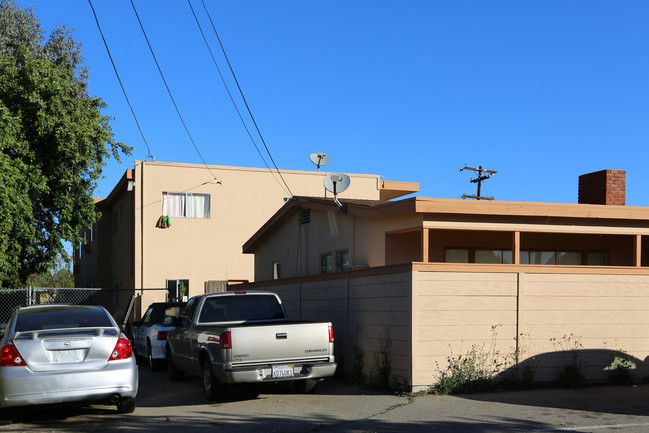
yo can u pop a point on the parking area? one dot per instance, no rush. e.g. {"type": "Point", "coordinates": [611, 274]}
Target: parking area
{"type": "Point", "coordinates": [338, 407]}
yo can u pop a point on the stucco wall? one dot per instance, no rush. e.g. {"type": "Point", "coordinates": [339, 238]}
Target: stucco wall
{"type": "Point", "coordinates": [241, 200]}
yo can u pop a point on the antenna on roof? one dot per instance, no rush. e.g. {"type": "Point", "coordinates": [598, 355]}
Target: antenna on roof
{"type": "Point", "coordinates": [483, 174]}
{"type": "Point", "coordinates": [337, 183]}
{"type": "Point", "coordinates": [319, 159]}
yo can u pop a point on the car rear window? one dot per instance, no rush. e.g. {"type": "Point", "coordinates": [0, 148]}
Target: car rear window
{"type": "Point", "coordinates": [241, 308]}
{"type": "Point", "coordinates": [59, 318]}
{"type": "Point", "coordinates": [161, 311]}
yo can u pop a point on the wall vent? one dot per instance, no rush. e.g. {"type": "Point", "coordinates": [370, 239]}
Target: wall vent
{"type": "Point", "coordinates": [305, 216]}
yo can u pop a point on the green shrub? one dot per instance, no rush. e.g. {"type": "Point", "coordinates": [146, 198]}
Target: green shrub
{"type": "Point", "coordinates": [619, 373]}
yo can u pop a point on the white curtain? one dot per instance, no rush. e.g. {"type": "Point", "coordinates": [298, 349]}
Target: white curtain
{"type": "Point", "coordinates": [187, 205]}
{"type": "Point", "coordinates": [198, 206]}
{"type": "Point", "coordinates": [173, 204]}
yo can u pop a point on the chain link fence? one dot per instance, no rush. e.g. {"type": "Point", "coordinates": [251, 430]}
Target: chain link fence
{"type": "Point", "coordinates": [118, 302]}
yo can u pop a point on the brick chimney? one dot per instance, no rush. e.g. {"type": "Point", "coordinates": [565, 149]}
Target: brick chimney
{"type": "Point", "coordinates": [603, 187]}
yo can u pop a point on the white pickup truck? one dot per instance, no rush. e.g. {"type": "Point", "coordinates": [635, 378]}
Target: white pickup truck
{"type": "Point", "coordinates": [246, 338]}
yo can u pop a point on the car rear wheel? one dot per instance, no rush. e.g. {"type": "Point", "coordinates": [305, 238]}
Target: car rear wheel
{"type": "Point", "coordinates": [154, 364]}
{"type": "Point", "coordinates": [173, 372]}
{"type": "Point", "coordinates": [212, 388]}
{"type": "Point", "coordinates": [126, 405]}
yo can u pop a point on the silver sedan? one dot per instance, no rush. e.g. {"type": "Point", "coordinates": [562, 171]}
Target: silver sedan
{"type": "Point", "coordinates": [65, 354]}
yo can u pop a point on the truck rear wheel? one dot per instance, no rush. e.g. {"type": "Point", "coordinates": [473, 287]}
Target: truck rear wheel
{"type": "Point", "coordinates": [173, 372]}
{"type": "Point", "coordinates": [212, 388]}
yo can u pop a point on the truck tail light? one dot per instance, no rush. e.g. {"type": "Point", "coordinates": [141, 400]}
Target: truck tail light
{"type": "Point", "coordinates": [331, 334]}
{"type": "Point", "coordinates": [162, 335]}
{"type": "Point", "coordinates": [9, 357]}
{"type": "Point", "coordinates": [122, 350]}
{"type": "Point", "coordinates": [226, 340]}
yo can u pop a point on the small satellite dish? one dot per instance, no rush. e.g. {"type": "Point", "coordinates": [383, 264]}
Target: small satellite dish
{"type": "Point", "coordinates": [320, 159]}
{"type": "Point", "coordinates": [337, 183]}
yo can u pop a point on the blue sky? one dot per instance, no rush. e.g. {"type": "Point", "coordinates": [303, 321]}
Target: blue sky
{"type": "Point", "coordinates": [541, 91]}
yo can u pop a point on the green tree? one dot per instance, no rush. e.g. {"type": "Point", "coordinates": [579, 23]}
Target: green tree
{"type": "Point", "coordinates": [54, 142]}
{"type": "Point", "coordinates": [60, 277]}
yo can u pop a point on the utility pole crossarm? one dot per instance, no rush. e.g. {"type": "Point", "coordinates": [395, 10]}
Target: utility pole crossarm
{"type": "Point", "coordinates": [483, 174]}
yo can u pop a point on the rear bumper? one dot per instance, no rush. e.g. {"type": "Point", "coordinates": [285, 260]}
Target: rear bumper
{"type": "Point", "coordinates": [263, 373]}
{"type": "Point", "coordinates": [20, 386]}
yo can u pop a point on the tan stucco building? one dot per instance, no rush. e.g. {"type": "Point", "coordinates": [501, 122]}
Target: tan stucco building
{"type": "Point", "coordinates": [409, 283]}
{"type": "Point", "coordinates": [169, 224]}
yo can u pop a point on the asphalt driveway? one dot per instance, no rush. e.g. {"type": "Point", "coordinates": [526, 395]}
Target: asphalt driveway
{"type": "Point", "coordinates": [337, 407]}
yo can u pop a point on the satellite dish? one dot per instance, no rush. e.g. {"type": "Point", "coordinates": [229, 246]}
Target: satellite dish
{"type": "Point", "coordinates": [337, 183]}
{"type": "Point", "coordinates": [320, 159]}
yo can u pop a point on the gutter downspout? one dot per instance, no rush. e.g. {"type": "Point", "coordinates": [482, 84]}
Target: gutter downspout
{"type": "Point", "coordinates": [141, 227]}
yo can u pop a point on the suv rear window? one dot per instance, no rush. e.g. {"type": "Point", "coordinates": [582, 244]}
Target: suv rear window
{"type": "Point", "coordinates": [62, 317]}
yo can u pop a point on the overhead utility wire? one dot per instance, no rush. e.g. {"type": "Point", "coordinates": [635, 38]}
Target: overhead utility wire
{"type": "Point", "coordinates": [227, 89]}
{"type": "Point", "coordinates": [120, 82]}
{"type": "Point", "coordinates": [169, 91]}
{"type": "Point", "coordinates": [243, 97]}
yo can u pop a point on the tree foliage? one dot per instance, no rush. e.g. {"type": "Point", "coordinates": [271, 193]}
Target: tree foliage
{"type": "Point", "coordinates": [54, 142]}
{"type": "Point", "coordinates": [59, 277]}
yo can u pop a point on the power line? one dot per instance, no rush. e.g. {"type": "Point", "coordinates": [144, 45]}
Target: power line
{"type": "Point", "coordinates": [120, 81]}
{"type": "Point", "coordinates": [169, 91]}
{"type": "Point", "coordinates": [227, 89]}
{"type": "Point", "coordinates": [243, 97]}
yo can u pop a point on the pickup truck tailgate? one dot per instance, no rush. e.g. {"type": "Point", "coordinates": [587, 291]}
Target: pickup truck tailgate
{"type": "Point", "coordinates": [272, 343]}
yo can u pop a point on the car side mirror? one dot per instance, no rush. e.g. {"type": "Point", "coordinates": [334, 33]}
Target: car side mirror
{"type": "Point", "coordinates": [170, 321]}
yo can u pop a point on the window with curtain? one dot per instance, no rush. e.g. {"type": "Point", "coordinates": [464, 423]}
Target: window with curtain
{"type": "Point", "coordinates": [185, 205]}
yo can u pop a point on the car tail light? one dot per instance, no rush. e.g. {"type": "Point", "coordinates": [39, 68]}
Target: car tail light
{"type": "Point", "coordinates": [226, 340]}
{"type": "Point", "coordinates": [9, 357]}
{"type": "Point", "coordinates": [122, 350]}
{"type": "Point", "coordinates": [162, 335]}
{"type": "Point", "coordinates": [331, 334]}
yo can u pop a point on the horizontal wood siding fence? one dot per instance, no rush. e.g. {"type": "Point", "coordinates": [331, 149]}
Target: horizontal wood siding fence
{"type": "Point", "coordinates": [402, 326]}
{"type": "Point", "coordinates": [372, 320]}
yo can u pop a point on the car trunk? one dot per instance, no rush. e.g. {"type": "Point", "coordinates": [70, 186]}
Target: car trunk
{"type": "Point", "coordinates": [60, 350]}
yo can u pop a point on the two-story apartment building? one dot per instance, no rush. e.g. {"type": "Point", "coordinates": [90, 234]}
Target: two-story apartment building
{"type": "Point", "coordinates": [408, 283]}
{"type": "Point", "coordinates": [181, 226]}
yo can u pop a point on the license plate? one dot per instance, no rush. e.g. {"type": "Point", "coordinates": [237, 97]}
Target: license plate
{"type": "Point", "coordinates": [283, 370]}
{"type": "Point", "coordinates": [66, 356]}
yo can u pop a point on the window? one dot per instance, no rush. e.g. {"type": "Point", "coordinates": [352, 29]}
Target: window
{"type": "Point", "coordinates": [471, 255]}
{"type": "Point", "coordinates": [493, 256]}
{"type": "Point", "coordinates": [325, 263]}
{"type": "Point", "coordinates": [177, 289]}
{"type": "Point", "coordinates": [342, 260]}
{"type": "Point", "coordinates": [456, 256]}
{"type": "Point", "coordinates": [277, 270]}
{"type": "Point", "coordinates": [185, 205]}
{"type": "Point", "coordinates": [568, 258]}
{"type": "Point", "coordinates": [597, 258]}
